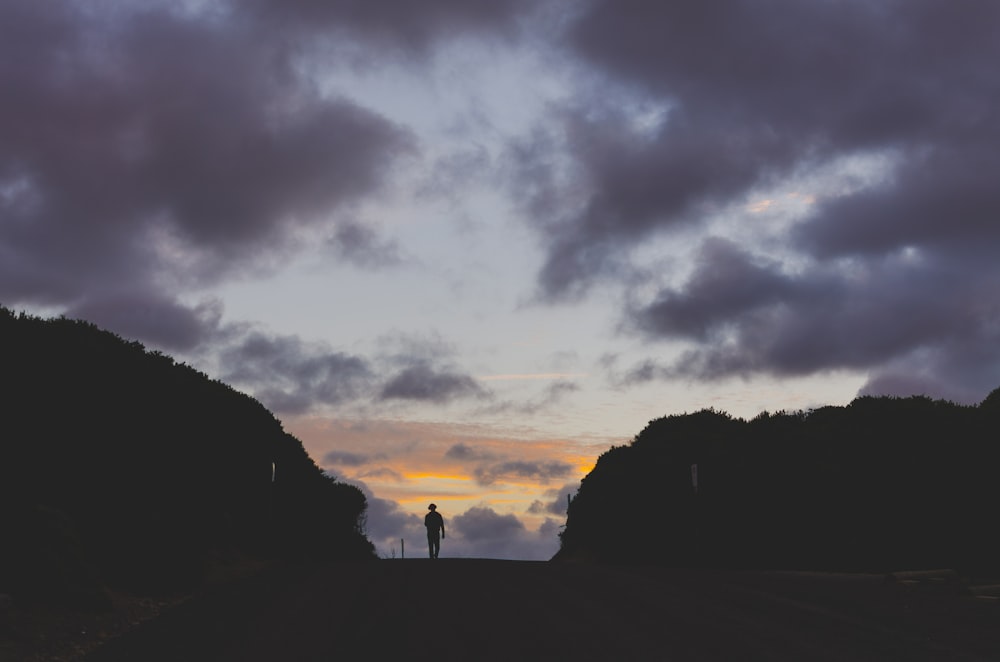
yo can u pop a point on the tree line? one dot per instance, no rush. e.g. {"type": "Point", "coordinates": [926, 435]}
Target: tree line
{"type": "Point", "coordinates": [126, 469]}
{"type": "Point", "coordinates": [881, 484]}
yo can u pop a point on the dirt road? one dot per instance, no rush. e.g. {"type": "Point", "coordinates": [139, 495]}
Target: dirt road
{"type": "Point", "coordinates": [454, 609]}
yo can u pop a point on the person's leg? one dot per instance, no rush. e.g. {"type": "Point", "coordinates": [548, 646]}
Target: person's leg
{"type": "Point", "coordinates": [430, 545]}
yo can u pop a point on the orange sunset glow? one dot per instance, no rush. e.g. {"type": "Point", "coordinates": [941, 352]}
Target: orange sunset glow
{"type": "Point", "coordinates": [459, 467]}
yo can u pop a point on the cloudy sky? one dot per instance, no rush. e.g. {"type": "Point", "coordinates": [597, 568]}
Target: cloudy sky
{"type": "Point", "coordinates": [461, 247]}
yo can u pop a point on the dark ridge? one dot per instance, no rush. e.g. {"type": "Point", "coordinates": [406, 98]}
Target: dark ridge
{"type": "Point", "coordinates": [881, 484]}
{"type": "Point", "coordinates": [126, 469]}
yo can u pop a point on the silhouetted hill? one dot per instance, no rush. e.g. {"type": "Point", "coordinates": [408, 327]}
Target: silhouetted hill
{"type": "Point", "coordinates": [883, 483]}
{"type": "Point", "coordinates": [123, 467]}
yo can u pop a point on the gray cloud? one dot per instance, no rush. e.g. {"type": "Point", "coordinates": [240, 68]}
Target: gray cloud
{"type": "Point", "coordinates": [482, 523]}
{"type": "Point", "coordinates": [491, 469]}
{"type": "Point", "coordinates": [362, 246]}
{"type": "Point", "coordinates": [556, 391]}
{"type": "Point", "coordinates": [345, 459]}
{"type": "Point", "coordinates": [387, 524]}
{"type": "Point", "coordinates": [292, 376]}
{"type": "Point", "coordinates": [537, 507]}
{"type": "Point", "coordinates": [423, 382]}
{"type": "Point", "coordinates": [557, 503]}
{"type": "Point", "coordinates": [462, 451]}
{"type": "Point", "coordinates": [482, 532]}
{"type": "Point", "coordinates": [519, 469]}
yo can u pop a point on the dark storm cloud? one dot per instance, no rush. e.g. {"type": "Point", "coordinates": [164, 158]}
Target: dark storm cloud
{"type": "Point", "coordinates": [905, 314]}
{"type": "Point", "coordinates": [630, 186]}
{"type": "Point", "coordinates": [125, 132]}
{"type": "Point", "coordinates": [153, 317]}
{"type": "Point", "coordinates": [412, 26]}
{"type": "Point", "coordinates": [853, 73]}
{"type": "Point", "coordinates": [726, 284]}
{"type": "Point", "coordinates": [426, 383]}
{"type": "Point", "coordinates": [521, 470]}
{"type": "Point", "coordinates": [751, 91]}
{"type": "Point", "coordinates": [945, 200]}
{"type": "Point", "coordinates": [719, 100]}
{"type": "Point", "coordinates": [291, 376]}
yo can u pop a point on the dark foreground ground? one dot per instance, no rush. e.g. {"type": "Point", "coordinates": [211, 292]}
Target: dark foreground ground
{"type": "Point", "coordinates": [455, 609]}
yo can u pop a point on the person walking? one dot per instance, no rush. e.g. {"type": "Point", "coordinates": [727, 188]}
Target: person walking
{"type": "Point", "coordinates": [435, 530]}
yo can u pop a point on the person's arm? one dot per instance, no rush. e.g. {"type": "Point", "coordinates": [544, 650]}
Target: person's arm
{"type": "Point", "coordinates": [442, 527]}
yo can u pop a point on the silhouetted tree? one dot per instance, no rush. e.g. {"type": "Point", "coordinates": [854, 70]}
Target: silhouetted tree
{"type": "Point", "coordinates": [883, 483]}
{"type": "Point", "coordinates": [149, 463]}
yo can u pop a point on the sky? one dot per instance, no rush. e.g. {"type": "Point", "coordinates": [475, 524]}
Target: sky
{"type": "Point", "coordinates": [462, 247]}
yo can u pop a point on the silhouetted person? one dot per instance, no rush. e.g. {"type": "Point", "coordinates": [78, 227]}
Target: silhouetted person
{"type": "Point", "coordinates": [435, 530]}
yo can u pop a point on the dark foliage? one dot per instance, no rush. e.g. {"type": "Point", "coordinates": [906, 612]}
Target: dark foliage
{"type": "Point", "coordinates": [125, 468]}
{"type": "Point", "coordinates": [881, 484]}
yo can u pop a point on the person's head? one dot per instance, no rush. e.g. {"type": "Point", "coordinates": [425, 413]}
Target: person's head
{"type": "Point", "coordinates": [432, 507]}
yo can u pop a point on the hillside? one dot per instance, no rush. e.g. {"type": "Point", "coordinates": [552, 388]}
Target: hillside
{"type": "Point", "coordinates": [881, 484]}
{"type": "Point", "coordinates": [485, 610]}
{"type": "Point", "coordinates": [125, 469]}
